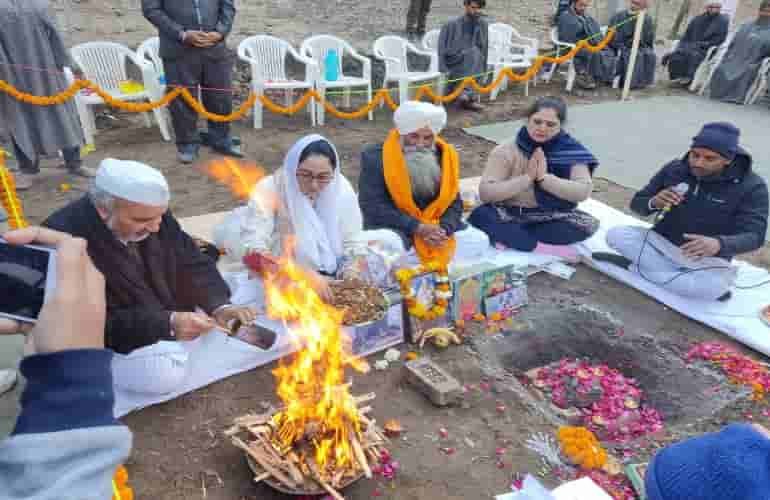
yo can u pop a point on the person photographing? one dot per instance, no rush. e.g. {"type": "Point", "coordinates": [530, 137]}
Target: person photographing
{"type": "Point", "coordinates": [723, 213]}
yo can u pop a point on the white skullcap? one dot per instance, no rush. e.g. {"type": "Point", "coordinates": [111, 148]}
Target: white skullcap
{"type": "Point", "coordinates": [414, 115]}
{"type": "Point", "coordinates": [132, 181]}
{"type": "Point", "coordinates": [714, 2]}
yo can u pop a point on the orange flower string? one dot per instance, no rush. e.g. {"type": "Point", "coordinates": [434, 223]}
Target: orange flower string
{"type": "Point", "coordinates": [9, 197]}
{"type": "Point", "coordinates": [120, 488]}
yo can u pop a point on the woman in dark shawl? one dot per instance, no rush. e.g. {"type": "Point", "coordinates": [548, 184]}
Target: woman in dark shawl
{"type": "Point", "coordinates": [532, 185]}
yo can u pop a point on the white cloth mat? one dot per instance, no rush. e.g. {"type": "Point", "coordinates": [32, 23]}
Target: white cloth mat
{"type": "Point", "coordinates": [737, 317]}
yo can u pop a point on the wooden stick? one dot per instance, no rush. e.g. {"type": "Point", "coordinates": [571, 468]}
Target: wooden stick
{"type": "Point", "coordinates": [365, 398]}
{"type": "Point", "coordinates": [261, 477]}
{"type": "Point", "coordinates": [634, 52]}
{"type": "Point", "coordinates": [323, 484]}
{"type": "Point", "coordinates": [264, 463]}
{"type": "Point", "coordinates": [360, 456]}
{"type": "Point", "coordinates": [364, 410]}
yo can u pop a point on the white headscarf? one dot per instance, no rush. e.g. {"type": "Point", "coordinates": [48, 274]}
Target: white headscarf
{"type": "Point", "coordinates": [414, 115]}
{"type": "Point", "coordinates": [316, 225]}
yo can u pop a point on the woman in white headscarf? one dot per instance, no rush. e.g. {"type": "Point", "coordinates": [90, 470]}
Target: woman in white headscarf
{"type": "Point", "coordinates": [308, 201]}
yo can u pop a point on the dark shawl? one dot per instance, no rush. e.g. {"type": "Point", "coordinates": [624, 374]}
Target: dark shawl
{"type": "Point", "coordinates": [173, 276]}
{"type": "Point", "coordinates": [562, 153]}
{"type": "Point", "coordinates": [703, 32]}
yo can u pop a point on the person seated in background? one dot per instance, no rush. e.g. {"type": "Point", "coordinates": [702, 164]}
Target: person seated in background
{"type": "Point", "coordinates": [574, 24]}
{"type": "Point", "coordinates": [713, 206]}
{"type": "Point", "coordinates": [66, 429]}
{"type": "Point", "coordinates": [732, 464]}
{"type": "Point", "coordinates": [463, 48]}
{"type": "Point", "coordinates": [411, 185]}
{"type": "Point", "coordinates": [704, 32]}
{"type": "Point", "coordinates": [307, 203]}
{"type": "Point", "coordinates": [532, 185]}
{"type": "Point", "coordinates": [734, 76]}
{"type": "Point", "coordinates": [160, 288]}
{"type": "Point", "coordinates": [643, 74]}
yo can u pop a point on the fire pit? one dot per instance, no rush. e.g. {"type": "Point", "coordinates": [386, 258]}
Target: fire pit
{"type": "Point", "coordinates": [321, 440]}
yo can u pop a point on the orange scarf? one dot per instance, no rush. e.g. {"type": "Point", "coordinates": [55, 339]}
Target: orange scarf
{"type": "Point", "coordinates": [400, 189]}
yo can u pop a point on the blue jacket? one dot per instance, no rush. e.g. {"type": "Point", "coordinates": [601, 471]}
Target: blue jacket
{"type": "Point", "coordinates": [731, 206]}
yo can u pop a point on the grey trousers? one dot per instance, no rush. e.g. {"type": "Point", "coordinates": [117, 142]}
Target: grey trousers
{"type": "Point", "coordinates": [417, 15]}
{"type": "Point", "coordinates": [213, 71]}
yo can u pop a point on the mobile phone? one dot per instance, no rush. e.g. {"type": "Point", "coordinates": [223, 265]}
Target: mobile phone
{"type": "Point", "coordinates": [27, 277]}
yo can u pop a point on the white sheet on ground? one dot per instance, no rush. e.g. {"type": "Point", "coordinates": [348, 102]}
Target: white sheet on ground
{"type": "Point", "coordinates": [737, 317]}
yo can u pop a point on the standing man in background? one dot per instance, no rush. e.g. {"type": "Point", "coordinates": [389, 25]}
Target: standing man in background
{"type": "Point", "coordinates": [194, 53]}
{"type": "Point", "coordinates": [416, 17]}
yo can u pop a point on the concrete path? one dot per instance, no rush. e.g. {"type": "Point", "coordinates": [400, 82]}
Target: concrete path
{"type": "Point", "coordinates": [634, 139]}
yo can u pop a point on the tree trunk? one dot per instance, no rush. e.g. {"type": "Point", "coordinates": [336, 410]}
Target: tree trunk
{"type": "Point", "coordinates": [684, 9]}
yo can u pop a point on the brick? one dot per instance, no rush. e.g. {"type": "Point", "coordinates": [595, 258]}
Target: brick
{"type": "Point", "coordinates": [427, 377]}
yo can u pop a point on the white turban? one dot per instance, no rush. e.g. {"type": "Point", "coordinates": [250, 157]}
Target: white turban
{"type": "Point", "coordinates": [132, 181]}
{"type": "Point", "coordinates": [710, 3]}
{"type": "Point", "coordinates": [414, 115]}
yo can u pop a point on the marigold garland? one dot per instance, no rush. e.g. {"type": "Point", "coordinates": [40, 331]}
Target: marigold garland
{"type": "Point", "coordinates": [120, 488]}
{"type": "Point", "coordinates": [9, 197]}
{"type": "Point", "coordinates": [581, 447]}
{"type": "Point", "coordinates": [382, 95]}
{"type": "Point", "coordinates": [443, 290]}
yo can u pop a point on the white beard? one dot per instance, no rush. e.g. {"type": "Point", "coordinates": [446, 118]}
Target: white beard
{"type": "Point", "coordinates": [424, 173]}
{"type": "Point", "coordinates": [131, 239]}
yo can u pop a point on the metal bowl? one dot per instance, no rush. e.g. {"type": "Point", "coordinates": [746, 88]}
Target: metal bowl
{"type": "Point", "coordinates": [279, 486]}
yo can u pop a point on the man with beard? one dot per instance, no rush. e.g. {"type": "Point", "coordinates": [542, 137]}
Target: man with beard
{"type": "Point", "coordinates": [574, 24]}
{"type": "Point", "coordinates": [736, 73]}
{"type": "Point", "coordinates": [709, 206]}
{"type": "Point", "coordinates": [160, 287]}
{"type": "Point", "coordinates": [643, 73]}
{"type": "Point", "coordinates": [705, 31]}
{"type": "Point", "coordinates": [410, 185]}
{"type": "Point", "coordinates": [463, 47]}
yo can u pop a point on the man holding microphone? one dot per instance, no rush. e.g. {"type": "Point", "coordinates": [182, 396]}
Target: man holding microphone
{"type": "Point", "coordinates": [710, 206]}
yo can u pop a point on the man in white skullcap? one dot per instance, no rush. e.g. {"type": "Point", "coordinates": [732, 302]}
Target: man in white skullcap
{"type": "Point", "coordinates": [156, 276]}
{"type": "Point", "coordinates": [410, 184]}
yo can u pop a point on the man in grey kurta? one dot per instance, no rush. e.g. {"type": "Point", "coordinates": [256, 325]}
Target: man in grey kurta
{"type": "Point", "coordinates": [463, 46]}
{"type": "Point", "coordinates": [192, 46]}
{"type": "Point", "coordinates": [704, 32]}
{"type": "Point", "coordinates": [738, 70]}
{"type": "Point", "coordinates": [574, 24]}
{"type": "Point", "coordinates": [32, 57]}
{"type": "Point", "coordinates": [625, 22]}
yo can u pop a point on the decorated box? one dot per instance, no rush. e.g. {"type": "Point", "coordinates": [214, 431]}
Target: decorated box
{"type": "Point", "coordinates": [467, 298]}
{"type": "Point", "coordinates": [504, 291]}
{"type": "Point", "coordinates": [424, 286]}
{"type": "Point", "coordinates": [374, 336]}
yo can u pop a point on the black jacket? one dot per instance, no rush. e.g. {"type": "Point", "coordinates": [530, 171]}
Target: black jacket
{"type": "Point", "coordinates": [731, 206]}
{"type": "Point", "coordinates": [173, 17]}
{"type": "Point", "coordinates": [173, 276]}
{"type": "Point", "coordinates": [378, 208]}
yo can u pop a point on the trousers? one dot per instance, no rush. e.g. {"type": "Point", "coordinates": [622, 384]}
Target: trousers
{"type": "Point", "coordinates": [525, 237]}
{"type": "Point", "coordinates": [417, 15]}
{"type": "Point", "coordinates": [661, 262]}
{"type": "Point", "coordinates": [213, 73]}
{"type": "Point", "coordinates": [155, 370]}
{"type": "Point", "coordinates": [32, 165]}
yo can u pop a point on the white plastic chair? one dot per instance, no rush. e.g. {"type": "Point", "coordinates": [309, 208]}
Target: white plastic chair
{"type": "Point", "coordinates": [759, 87]}
{"type": "Point", "coordinates": [502, 55]}
{"type": "Point", "coordinates": [316, 48]}
{"type": "Point", "coordinates": [430, 44]}
{"type": "Point", "coordinates": [561, 47]}
{"type": "Point", "coordinates": [706, 68]}
{"type": "Point", "coordinates": [267, 57]}
{"type": "Point", "coordinates": [393, 51]}
{"type": "Point", "coordinates": [149, 51]}
{"type": "Point", "coordinates": [529, 46]}
{"type": "Point", "coordinates": [104, 63]}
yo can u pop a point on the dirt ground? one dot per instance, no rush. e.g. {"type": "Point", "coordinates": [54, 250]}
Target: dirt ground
{"type": "Point", "coordinates": [179, 450]}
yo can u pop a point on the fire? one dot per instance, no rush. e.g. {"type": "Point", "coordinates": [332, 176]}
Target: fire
{"type": "Point", "coordinates": [318, 404]}
{"type": "Point", "coordinates": [240, 177]}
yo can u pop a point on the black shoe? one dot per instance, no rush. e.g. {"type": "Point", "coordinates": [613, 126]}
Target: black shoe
{"type": "Point", "coordinates": [727, 296]}
{"type": "Point", "coordinates": [187, 153]}
{"type": "Point", "coordinates": [612, 258]}
{"type": "Point", "coordinates": [228, 150]}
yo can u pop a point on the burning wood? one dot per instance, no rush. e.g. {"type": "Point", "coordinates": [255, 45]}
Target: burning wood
{"type": "Point", "coordinates": [320, 440]}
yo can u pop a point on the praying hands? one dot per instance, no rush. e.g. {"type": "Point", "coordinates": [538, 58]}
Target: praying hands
{"type": "Point", "coordinates": [537, 166]}
{"type": "Point", "coordinates": [202, 39]}
{"type": "Point", "coordinates": [433, 235]}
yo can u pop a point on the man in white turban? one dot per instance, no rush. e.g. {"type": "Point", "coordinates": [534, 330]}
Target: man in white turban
{"type": "Point", "coordinates": [160, 287]}
{"type": "Point", "coordinates": [410, 184]}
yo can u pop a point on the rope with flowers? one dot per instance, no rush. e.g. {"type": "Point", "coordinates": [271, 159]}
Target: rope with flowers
{"type": "Point", "coordinates": [8, 196]}
{"type": "Point", "coordinates": [120, 488]}
{"type": "Point", "coordinates": [442, 294]}
{"type": "Point", "coordinates": [382, 95]}
{"type": "Point", "coordinates": [581, 447]}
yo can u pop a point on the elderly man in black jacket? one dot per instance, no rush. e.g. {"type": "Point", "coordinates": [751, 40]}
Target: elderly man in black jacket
{"type": "Point", "coordinates": [192, 46]}
{"type": "Point", "coordinates": [160, 288]}
{"type": "Point", "coordinates": [710, 206]}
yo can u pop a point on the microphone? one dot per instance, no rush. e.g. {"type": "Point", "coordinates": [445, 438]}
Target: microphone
{"type": "Point", "coordinates": [681, 189]}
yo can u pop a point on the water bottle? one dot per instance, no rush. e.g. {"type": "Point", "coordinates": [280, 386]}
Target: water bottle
{"type": "Point", "coordinates": [331, 66]}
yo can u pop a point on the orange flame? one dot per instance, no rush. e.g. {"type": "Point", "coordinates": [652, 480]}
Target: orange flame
{"type": "Point", "coordinates": [240, 177]}
{"type": "Point", "coordinates": [318, 404]}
